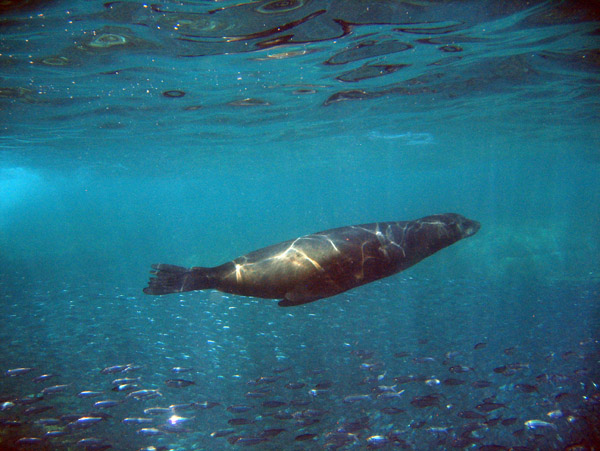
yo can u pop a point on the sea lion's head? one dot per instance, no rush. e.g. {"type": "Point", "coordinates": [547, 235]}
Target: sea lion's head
{"type": "Point", "coordinates": [435, 232]}
{"type": "Point", "coordinates": [466, 227]}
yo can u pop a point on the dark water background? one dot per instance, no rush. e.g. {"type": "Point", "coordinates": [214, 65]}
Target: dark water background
{"type": "Point", "coordinates": [193, 132]}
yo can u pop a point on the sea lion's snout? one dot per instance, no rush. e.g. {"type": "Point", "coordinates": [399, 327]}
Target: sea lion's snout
{"type": "Point", "coordinates": [470, 227]}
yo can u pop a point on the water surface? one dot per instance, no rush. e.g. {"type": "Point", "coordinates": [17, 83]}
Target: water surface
{"type": "Point", "coordinates": [194, 132]}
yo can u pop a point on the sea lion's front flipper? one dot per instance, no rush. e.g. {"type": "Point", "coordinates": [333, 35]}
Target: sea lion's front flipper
{"type": "Point", "coordinates": [288, 303]}
{"type": "Point", "coordinates": [319, 287]}
{"type": "Point", "coordinates": [175, 279]}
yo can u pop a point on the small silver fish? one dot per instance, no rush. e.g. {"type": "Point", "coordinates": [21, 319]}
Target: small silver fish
{"type": "Point", "coordinates": [84, 422]}
{"type": "Point", "coordinates": [238, 408]}
{"type": "Point", "coordinates": [534, 424]}
{"type": "Point", "coordinates": [376, 441]}
{"type": "Point", "coordinates": [131, 367]}
{"type": "Point", "coordinates": [48, 421]}
{"type": "Point", "coordinates": [184, 406]}
{"type": "Point", "coordinates": [107, 403]}
{"type": "Point", "coordinates": [139, 420]}
{"type": "Point", "coordinates": [204, 404]}
{"type": "Point", "coordinates": [89, 394]}
{"type": "Point", "coordinates": [240, 421]}
{"type": "Point", "coordinates": [35, 410]}
{"type": "Point", "coordinates": [386, 388]}
{"type": "Point", "coordinates": [390, 394]}
{"type": "Point", "coordinates": [423, 359]}
{"type": "Point", "coordinates": [178, 383]}
{"type": "Point", "coordinates": [156, 410]}
{"type": "Point", "coordinates": [42, 378]}
{"type": "Point", "coordinates": [54, 389]}
{"type": "Point", "coordinates": [555, 414]}
{"type": "Point", "coordinates": [125, 387]}
{"type": "Point", "coordinates": [115, 369]}
{"type": "Point", "coordinates": [7, 405]}
{"type": "Point", "coordinates": [29, 441]}
{"type": "Point", "coordinates": [356, 398]}
{"type": "Point", "coordinates": [316, 392]}
{"type": "Point", "coordinates": [460, 369]}
{"type": "Point", "coordinates": [57, 433]}
{"type": "Point", "coordinates": [147, 432]}
{"type": "Point", "coordinates": [126, 380]}
{"type": "Point", "coordinates": [144, 394]}
{"type": "Point", "coordinates": [18, 371]}
{"type": "Point", "coordinates": [489, 406]}
{"type": "Point", "coordinates": [173, 428]}
{"type": "Point", "coordinates": [222, 432]}
{"type": "Point", "coordinates": [438, 429]}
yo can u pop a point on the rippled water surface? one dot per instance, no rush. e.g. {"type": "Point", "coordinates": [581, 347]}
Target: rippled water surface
{"type": "Point", "coordinates": [191, 133]}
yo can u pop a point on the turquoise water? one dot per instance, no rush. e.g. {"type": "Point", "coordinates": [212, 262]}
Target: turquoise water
{"type": "Point", "coordinates": [192, 133]}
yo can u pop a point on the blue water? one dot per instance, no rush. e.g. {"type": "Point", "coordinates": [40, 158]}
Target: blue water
{"type": "Point", "coordinates": [192, 133]}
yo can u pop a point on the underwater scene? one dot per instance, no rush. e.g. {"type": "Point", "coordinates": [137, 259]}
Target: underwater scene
{"type": "Point", "coordinates": [299, 225]}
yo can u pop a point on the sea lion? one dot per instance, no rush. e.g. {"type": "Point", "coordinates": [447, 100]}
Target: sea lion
{"type": "Point", "coordinates": [323, 264]}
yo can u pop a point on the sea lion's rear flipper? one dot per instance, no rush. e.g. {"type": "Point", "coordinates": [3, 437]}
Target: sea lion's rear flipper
{"type": "Point", "coordinates": [175, 279]}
